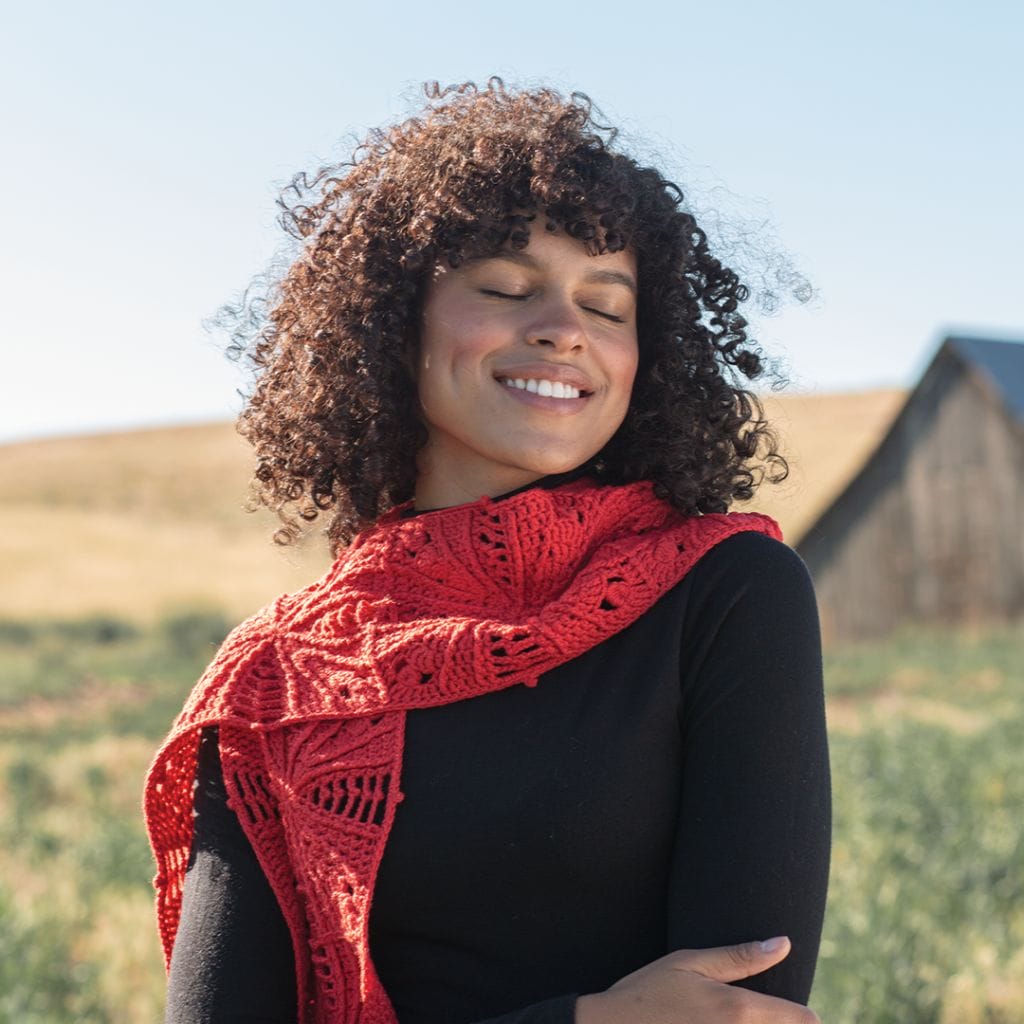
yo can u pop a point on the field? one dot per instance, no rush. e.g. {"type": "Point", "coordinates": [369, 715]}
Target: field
{"type": "Point", "coordinates": [925, 921]}
{"type": "Point", "coordinates": [138, 523]}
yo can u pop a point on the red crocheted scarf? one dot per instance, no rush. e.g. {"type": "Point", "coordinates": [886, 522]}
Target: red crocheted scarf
{"type": "Point", "coordinates": [310, 694]}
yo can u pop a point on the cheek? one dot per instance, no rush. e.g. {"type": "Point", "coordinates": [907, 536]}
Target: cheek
{"type": "Point", "coordinates": [452, 336]}
{"type": "Point", "coordinates": [453, 345]}
{"type": "Point", "coordinates": [625, 375]}
{"type": "Point", "coordinates": [628, 364]}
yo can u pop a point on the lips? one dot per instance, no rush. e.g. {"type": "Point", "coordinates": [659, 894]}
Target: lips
{"type": "Point", "coordinates": [548, 371]}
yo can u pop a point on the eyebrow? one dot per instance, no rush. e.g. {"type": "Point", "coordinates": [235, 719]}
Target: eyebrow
{"type": "Point", "coordinates": [526, 260]}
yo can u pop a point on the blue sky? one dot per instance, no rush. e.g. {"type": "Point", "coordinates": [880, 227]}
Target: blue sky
{"type": "Point", "coordinates": [878, 144]}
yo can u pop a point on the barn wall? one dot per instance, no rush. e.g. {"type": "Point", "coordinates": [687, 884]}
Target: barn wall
{"type": "Point", "coordinates": [965, 494]}
{"type": "Point", "coordinates": [933, 529]}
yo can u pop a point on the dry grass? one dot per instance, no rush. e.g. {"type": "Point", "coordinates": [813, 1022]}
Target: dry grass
{"type": "Point", "coordinates": [826, 438]}
{"type": "Point", "coordinates": [133, 523]}
{"type": "Point", "coordinates": [855, 715]}
{"type": "Point", "coordinates": [64, 561]}
{"type": "Point", "coordinates": [196, 472]}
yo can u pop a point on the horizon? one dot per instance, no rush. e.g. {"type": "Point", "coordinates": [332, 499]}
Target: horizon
{"type": "Point", "coordinates": [166, 425]}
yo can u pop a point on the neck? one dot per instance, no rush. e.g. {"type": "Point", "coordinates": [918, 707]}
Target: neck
{"type": "Point", "coordinates": [435, 493]}
{"type": "Point", "coordinates": [422, 504]}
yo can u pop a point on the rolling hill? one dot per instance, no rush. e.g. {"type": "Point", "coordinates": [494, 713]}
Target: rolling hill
{"type": "Point", "coordinates": [137, 523]}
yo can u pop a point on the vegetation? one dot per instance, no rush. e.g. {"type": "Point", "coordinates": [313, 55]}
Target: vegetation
{"type": "Point", "coordinates": [83, 706]}
{"type": "Point", "coordinates": [926, 907]}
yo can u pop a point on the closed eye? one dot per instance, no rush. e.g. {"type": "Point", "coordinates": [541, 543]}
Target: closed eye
{"type": "Point", "coordinates": [508, 295]}
{"type": "Point", "coordinates": [607, 316]}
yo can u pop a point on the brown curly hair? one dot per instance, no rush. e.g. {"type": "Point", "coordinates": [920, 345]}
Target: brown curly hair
{"type": "Point", "coordinates": [333, 414]}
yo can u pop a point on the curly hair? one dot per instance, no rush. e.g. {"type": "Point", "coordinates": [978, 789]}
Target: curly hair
{"type": "Point", "coordinates": [333, 414]}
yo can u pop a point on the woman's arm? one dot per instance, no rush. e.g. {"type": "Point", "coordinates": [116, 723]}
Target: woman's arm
{"type": "Point", "coordinates": [753, 838]}
{"type": "Point", "coordinates": [232, 958]}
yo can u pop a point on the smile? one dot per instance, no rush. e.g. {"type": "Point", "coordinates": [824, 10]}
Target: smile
{"type": "Point", "coordinates": [572, 400]}
{"type": "Point", "coordinates": [546, 388]}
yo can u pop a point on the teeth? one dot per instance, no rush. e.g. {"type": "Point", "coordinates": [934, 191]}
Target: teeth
{"type": "Point", "coordinates": [545, 388]}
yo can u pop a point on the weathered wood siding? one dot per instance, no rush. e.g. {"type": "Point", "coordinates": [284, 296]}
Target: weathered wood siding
{"type": "Point", "coordinates": [932, 529]}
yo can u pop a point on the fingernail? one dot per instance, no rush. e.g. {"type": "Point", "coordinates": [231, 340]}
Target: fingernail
{"type": "Point", "coordinates": [773, 945]}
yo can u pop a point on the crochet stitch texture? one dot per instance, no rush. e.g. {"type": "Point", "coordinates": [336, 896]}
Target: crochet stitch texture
{"type": "Point", "coordinates": [310, 693]}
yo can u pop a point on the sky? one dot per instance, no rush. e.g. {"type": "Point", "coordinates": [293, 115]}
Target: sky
{"type": "Point", "coordinates": [877, 146]}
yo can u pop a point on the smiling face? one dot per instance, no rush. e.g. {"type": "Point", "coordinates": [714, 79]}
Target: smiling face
{"type": "Point", "coordinates": [548, 313]}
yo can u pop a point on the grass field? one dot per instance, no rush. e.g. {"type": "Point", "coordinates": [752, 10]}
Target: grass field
{"type": "Point", "coordinates": [925, 920]}
{"type": "Point", "coordinates": [137, 523]}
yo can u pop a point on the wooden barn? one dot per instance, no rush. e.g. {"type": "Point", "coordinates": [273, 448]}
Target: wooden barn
{"type": "Point", "coordinates": [931, 529]}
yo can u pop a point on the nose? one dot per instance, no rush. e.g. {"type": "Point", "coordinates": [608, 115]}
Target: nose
{"type": "Point", "coordinates": [557, 325]}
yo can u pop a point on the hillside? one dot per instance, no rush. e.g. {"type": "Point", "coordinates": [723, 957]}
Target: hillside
{"type": "Point", "coordinates": [138, 522]}
{"type": "Point", "coordinates": [826, 439]}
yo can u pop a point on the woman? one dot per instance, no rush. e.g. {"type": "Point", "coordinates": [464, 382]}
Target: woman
{"type": "Point", "coordinates": [547, 742]}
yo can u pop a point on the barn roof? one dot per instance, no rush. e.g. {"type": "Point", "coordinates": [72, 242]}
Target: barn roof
{"type": "Point", "coordinates": [1001, 361]}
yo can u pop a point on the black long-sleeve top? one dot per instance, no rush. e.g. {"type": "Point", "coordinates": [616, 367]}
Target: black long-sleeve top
{"type": "Point", "coordinates": [668, 789]}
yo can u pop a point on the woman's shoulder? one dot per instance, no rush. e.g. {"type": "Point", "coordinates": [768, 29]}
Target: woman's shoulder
{"type": "Point", "coordinates": [752, 559]}
{"type": "Point", "coordinates": [748, 578]}
{"type": "Point", "coordinates": [749, 622]}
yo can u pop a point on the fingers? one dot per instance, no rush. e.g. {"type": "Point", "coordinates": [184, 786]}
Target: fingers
{"type": "Point", "coordinates": [692, 985]}
{"type": "Point", "coordinates": [732, 963]}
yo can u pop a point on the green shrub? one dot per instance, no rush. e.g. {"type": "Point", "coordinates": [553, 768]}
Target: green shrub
{"type": "Point", "coordinates": [191, 633]}
{"type": "Point", "coordinates": [41, 982]}
{"type": "Point", "coordinates": [96, 629]}
{"type": "Point", "coordinates": [29, 789]}
{"type": "Point", "coordinates": [115, 853]}
{"type": "Point", "coordinates": [16, 633]}
{"type": "Point", "coordinates": [927, 887]}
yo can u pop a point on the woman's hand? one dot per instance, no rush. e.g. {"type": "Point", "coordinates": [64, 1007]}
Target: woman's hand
{"type": "Point", "coordinates": [689, 987]}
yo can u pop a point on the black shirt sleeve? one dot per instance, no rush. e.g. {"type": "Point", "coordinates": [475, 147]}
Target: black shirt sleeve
{"type": "Point", "coordinates": [751, 859]}
{"type": "Point", "coordinates": [232, 960]}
